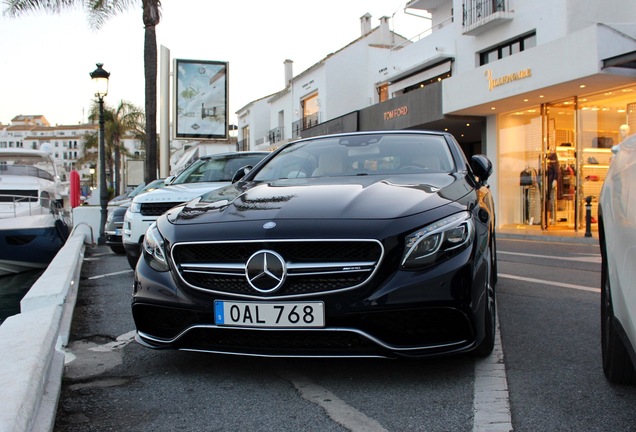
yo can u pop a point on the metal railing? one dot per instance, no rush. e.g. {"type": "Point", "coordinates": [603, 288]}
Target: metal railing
{"type": "Point", "coordinates": [305, 123]}
{"type": "Point", "coordinates": [474, 11]}
{"type": "Point", "coordinates": [12, 205]}
{"type": "Point", "coordinates": [275, 135]}
{"type": "Point", "coordinates": [242, 145]}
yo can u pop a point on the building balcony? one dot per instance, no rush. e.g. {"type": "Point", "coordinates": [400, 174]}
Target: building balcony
{"type": "Point", "coordinates": [275, 135]}
{"type": "Point", "coordinates": [242, 145]}
{"type": "Point", "coordinates": [305, 123]}
{"type": "Point", "coordinates": [479, 16]}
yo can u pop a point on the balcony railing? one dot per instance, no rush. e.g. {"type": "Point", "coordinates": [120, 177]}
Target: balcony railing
{"type": "Point", "coordinates": [275, 135]}
{"type": "Point", "coordinates": [480, 15]}
{"type": "Point", "coordinates": [242, 145]}
{"type": "Point", "coordinates": [305, 123]}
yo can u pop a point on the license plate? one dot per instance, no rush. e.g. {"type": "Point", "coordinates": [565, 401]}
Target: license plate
{"type": "Point", "coordinates": [258, 314]}
{"type": "Point", "coordinates": [117, 231]}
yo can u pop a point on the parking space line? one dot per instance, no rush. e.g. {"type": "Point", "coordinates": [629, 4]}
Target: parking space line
{"type": "Point", "coordinates": [551, 283]}
{"type": "Point", "coordinates": [110, 274]}
{"type": "Point", "coordinates": [336, 408]}
{"type": "Point", "coordinates": [589, 259]}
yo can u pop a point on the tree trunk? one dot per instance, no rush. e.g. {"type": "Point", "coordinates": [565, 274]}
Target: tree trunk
{"type": "Point", "coordinates": [150, 72]}
{"type": "Point", "coordinates": [117, 185]}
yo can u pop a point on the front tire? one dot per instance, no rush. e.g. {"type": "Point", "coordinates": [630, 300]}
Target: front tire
{"type": "Point", "coordinates": [132, 260]}
{"type": "Point", "coordinates": [617, 365]}
{"type": "Point", "coordinates": [490, 314]}
{"type": "Point", "coordinates": [119, 250]}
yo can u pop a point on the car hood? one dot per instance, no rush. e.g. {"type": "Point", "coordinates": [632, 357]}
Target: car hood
{"type": "Point", "coordinates": [323, 198]}
{"type": "Point", "coordinates": [178, 193]}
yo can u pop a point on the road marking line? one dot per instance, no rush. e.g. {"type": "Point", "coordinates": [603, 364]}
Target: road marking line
{"type": "Point", "coordinates": [110, 274]}
{"type": "Point", "coordinates": [491, 404]}
{"type": "Point", "coordinates": [589, 259]}
{"type": "Point", "coordinates": [336, 408]}
{"type": "Point", "coordinates": [551, 283]}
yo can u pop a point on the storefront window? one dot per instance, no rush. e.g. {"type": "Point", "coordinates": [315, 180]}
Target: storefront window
{"type": "Point", "coordinates": [519, 167]}
{"type": "Point", "coordinates": [553, 156]}
{"type": "Point", "coordinates": [606, 118]}
{"type": "Point", "coordinates": [311, 111]}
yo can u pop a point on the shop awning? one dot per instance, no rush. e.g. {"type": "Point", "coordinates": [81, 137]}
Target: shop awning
{"type": "Point", "coordinates": [441, 68]}
{"type": "Point", "coordinates": [627, 60]}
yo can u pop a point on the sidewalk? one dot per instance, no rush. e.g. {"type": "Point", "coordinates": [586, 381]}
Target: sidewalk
{"type": "Point", "coordinates": [552, 234]}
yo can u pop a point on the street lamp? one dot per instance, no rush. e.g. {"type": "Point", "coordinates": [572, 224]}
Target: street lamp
{"type": "Point", "coordinates": [100, 79]}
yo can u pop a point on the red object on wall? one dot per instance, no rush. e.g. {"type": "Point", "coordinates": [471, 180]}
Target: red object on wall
{"type": "Point", "coordinates": [74, 190]}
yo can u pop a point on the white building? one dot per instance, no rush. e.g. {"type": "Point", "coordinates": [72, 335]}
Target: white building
{"type": "Point", "coordinates": [64, 142]}
{"type": "Point", "coordinates": [543, 86]}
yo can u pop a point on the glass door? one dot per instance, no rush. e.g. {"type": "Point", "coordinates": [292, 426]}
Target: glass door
{"type": "Point", "coordinates": [559, 166]}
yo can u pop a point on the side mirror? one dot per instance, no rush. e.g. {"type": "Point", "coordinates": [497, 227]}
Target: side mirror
{"type": "Point", "coordinates": [240, 173]}
{"type": "Point", "coordinates": [168, 180]}
{"type": "Point", "coordinates": [482, 167]}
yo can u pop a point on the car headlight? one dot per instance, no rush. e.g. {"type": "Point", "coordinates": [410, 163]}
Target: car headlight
{"type": "Point", "coordinates": [153, 249]}
{"type": "Point", "coordinates": [135, 207]}
{"type": "Point", "coordinates": [438, 240]}
{"type": "Point", "coordinates": [109, 218]}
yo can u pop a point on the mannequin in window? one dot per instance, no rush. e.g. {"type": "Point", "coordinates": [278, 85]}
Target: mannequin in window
{"type": "Point", "coordinates": [554, 177]}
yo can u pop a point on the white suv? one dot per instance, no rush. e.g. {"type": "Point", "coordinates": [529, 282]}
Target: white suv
{"type": "Point", "coordinates": [617, 235]}
{"type": "Point", "coordinates": [203, 175]}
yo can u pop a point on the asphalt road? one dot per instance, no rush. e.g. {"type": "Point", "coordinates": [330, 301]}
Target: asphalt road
{"type": "Point", "coordinates": [548, 303]}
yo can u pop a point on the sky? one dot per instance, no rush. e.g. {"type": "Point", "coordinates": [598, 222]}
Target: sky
{"type": "Point", "coordinates": [45, 59]}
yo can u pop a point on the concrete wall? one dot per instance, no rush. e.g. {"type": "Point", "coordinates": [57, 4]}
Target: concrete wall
{"type": "Point", "coordinates": [31, 343]}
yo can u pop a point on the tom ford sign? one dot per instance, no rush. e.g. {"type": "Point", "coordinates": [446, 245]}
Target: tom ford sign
{"type": "Point", "coordinates": [396, 112]}
{"type": "Point", "coordinates": [506, 79]}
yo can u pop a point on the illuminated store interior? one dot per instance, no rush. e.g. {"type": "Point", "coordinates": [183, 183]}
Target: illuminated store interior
{"type": "Point", "coordinates": [554, 155]}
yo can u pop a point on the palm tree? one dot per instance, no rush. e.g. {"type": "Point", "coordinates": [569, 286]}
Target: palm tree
{"type": "Point", "coordinates": [122, 120]}
{"type": "Point", "coordinates": [126, 119]}
{"type": "Point", "coordinates": [98, 12]}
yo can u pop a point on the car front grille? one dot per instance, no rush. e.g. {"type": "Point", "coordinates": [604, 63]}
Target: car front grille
{"type": "Point", "coordinates": [156, 208]}
{"type": "Point", "coordinates": [313, 266]}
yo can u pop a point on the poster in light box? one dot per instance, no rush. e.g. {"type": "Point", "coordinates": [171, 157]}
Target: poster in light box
{"type": "Point", "coordinates": [201, 99]}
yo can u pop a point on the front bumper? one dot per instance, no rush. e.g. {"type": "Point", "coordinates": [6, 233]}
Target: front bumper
{"type": "Point", "coordinates": [410, 314]}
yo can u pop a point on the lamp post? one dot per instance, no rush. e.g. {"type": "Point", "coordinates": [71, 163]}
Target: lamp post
{"type": "Point", "coordinates": [100, 79]}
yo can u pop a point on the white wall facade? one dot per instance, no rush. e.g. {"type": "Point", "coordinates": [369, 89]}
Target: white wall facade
{"type": "Point", "coordinates": [572, 40]}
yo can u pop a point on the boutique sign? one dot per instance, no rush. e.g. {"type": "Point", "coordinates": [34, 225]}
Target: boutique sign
{"type": "Point", "coordinates": [396, 112]}
{"type": "Point", "coordinates": [506, 79]}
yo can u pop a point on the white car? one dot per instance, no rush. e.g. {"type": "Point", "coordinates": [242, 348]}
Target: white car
{"type": "Point", "coordinates": [203, 175]}
{"type": "Point", "coordinates": [617, 236]}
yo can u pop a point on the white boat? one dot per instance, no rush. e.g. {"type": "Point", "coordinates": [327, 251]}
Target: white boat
{"type": "Point", "coordinates": [33, 225]}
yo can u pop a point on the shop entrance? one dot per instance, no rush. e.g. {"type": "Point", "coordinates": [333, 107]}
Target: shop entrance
{"type": "Point", "coordinates": [554, 156]}
{"type": "Point", "coordinates": [559, 165]}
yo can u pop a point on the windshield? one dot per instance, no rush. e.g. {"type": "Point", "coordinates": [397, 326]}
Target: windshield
{"type": "Point", "coordinates": [33, 165]}
{"type": "Point", "coordinates": [379, 154]}
{"type": "Point", "coordinates": [220, 168]}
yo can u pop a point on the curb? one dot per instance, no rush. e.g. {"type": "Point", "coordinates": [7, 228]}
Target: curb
{"type": "Point", "coordinates": [552, 238]}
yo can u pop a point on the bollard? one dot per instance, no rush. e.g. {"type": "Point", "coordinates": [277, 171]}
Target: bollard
{"type": "Point", "coordinates": [588, 216]}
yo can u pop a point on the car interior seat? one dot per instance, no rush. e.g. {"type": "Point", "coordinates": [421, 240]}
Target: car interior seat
{"type": "Point", "coordinates": [331, 163]}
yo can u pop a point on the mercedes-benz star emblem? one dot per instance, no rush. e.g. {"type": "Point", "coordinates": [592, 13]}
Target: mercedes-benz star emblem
{"type": "Point", "coordinates": [265, 271]}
